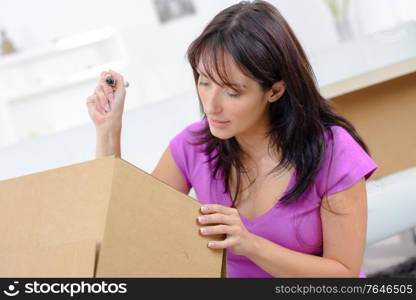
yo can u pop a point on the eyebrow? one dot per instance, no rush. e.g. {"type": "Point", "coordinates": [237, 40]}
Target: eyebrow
{"type": "Point", "coordinates": [241, 86]}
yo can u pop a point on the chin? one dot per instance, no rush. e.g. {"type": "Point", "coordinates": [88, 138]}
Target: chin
{"type": "Point", "coordinates": [221, 134]}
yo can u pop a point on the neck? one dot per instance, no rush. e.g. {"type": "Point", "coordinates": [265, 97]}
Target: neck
{"type": "Point", "coordinates": [255, 144]}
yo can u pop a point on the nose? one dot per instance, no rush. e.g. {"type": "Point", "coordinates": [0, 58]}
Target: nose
{"type": "Point", "coordinates": [211, 102]}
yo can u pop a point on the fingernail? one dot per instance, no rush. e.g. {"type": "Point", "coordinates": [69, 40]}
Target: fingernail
{"type": "Point", "coordinates": [107, 108]}
{"type": "Point", "coordinates": [204, 208]}
{"type": "Point", "coordinates": [203, 230]}
{"type": "Point", "coordinates": [201, 219]}
{"type": "Point", "coordinates": [211, 244]}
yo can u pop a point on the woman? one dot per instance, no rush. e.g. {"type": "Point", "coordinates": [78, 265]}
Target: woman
{"type": "Point", "coordinates": [277, 171]}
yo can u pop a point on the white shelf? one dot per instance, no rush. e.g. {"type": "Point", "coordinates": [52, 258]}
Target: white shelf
{"type": "Point", "coordinates": [61, 64]}
{"type": "Point", "coordinates": [59, 47]}
{"type": "Point", "coordinates": [72, 80]}
{"type": "Point", "coordinates": [40, 85]}
{"type": "Point", "coordinates": [370, 78]}
{"type": "Point", "coordinates": [366, 61]}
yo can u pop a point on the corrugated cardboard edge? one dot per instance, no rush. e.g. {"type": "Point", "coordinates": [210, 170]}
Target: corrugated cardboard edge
{"type": "Point", "coordinates": [224, 264]}
{"type": "Point", "coordinates": [167, 185]}
{"type": "Point", "coordinates": [61, 167]}
{"type": "Point", "coordinates": [98, 244]}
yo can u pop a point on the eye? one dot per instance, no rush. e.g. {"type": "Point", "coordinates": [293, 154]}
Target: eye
{"type": "Point", "coordinates": [233, 95]}
{"type": "Point", "coordinates": [203, 83]}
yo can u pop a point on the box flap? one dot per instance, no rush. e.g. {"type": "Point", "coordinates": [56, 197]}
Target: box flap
{"type": "Point", "coordinates": [57, 206]}
{"type": "Point", "coordinates": [151, 231]}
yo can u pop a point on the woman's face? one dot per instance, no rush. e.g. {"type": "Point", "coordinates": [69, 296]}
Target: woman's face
{"type": "Point", "coordinates": [232, 113]}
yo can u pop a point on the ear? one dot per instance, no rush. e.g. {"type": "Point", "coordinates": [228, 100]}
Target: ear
{"type": "Point", "coordinates": [276, 91]}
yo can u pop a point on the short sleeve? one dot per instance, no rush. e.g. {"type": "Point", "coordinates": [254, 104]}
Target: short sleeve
{"type": "Point", "coordinates": [184, 153]}
{"type": "Point", "coordinates": [345, 163]}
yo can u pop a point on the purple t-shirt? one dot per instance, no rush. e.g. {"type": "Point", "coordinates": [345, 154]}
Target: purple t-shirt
{"type": "Point", "coordinates": [296, 226]}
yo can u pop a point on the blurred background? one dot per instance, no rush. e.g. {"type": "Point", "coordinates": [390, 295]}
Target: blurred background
{"type": "Point", "coordinates": [363, 53]}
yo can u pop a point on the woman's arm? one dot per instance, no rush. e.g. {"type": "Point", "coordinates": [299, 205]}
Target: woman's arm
{"type": "Point", "coordinates": [105, 108]}
{"type": "Point", "coordinates": [167, 171]}
{"type": "Point", "coordinates": [344, 237]}
{"type": "Point", "coordinates": [108, 142]}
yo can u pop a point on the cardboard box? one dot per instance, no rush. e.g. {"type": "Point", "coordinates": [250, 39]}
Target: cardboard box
{"type": "Point", "coordinates": [64, 260]}
{"type": "Point", "coordinates": [101, 218]}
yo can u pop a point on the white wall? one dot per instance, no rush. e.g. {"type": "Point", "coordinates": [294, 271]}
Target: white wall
{"type": "Point", "coordinates": [156, 66]}
{"type": "Point", "coordinates": [31, 23]}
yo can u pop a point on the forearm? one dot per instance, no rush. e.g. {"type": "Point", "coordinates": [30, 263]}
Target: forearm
{"type": "Point", "coordinates": [279, 261]}
{"type": "Point", "coordinates": [108, 142]}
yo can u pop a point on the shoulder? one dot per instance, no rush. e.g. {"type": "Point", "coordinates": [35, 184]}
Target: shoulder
{"type": "Point", "coordinates": [184, 147]}
{"type": "Point", "coordinates": [339, 142]}
{"type": "Point", "coordinates": [339, 134]}
{"type": "Point", "coordinates": [343, 146]}
{"type": "Point", "coordinates": [188, 153]}
{"type": "Point", "coordinates": [345, 161]}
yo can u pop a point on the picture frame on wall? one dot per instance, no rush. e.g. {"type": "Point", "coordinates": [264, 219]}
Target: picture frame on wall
{"type": "Point", "coordinates": [168, 10]}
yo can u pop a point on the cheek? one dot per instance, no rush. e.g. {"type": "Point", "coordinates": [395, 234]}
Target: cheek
{"type": "Point", "coordinates": [235, 110]}
{"type": "Point", "coordinates": [203, 95]}
{"type": "Point", "coordinates": [200, 93]}
{"type": "Point", "coordinates": [245, 109]}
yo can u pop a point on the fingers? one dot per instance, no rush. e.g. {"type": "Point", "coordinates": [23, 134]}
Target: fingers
{"type": "Point", "coordinates": [108, 90]}
{"type": "Point", "coordinates": [104, 94]}
{"type": "Point", "coordinates": [227, 243]}
{"type": "Point", "coordinates": [103, 76]}
{"type": "Point", "coordinates": [217, 218]}
{"type": "Point", "coordinates": [103, 101]}
{"type": "Point", "coordinates": [93, 105]}
{"type": "Point", "coordinates": [215, 208]}
{"type": "Point", "coordinates": [118, 80]}
{"type": "Point", "coordinates": [119, 84]}
{"type": "Point", "coordinates": [220, 229]}
{"type": "Point", "coordinates": [226, 233]}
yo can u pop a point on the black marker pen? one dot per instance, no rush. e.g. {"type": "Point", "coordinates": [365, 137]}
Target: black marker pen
{"type": "Point", "coordinates": [111, 81]}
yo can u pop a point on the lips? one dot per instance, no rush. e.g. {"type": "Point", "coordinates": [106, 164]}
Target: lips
{"type": "Point", "coordinates": [218, 121]}
{"type": "Point", "coordinates": [218, 124]}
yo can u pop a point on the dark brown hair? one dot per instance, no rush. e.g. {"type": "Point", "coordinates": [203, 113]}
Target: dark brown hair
{"type": "Point", "coordinates": [264, 47]}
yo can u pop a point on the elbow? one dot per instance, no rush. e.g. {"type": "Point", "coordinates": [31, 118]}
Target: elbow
{"type": "Point", "coordinates": [350, 272]}
{"type": "Point", "coordinates": [345, 271]}
{"type": "Point", "coordinates": [354, 273]}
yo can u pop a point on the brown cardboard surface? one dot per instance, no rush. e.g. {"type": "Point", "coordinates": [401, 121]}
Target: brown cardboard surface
{"type": "Point", "coordinates": [385, 116]}
{"type": "Point", "coordinates": [64, 260]}
{"type": "Point", "coordinates": [57, 206]}
{"type": "Point", "coordinates": [151, 231]}
{"type": "Point", "coordinates": [150, 228]}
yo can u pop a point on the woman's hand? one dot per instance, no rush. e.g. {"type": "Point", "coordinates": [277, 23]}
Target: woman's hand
{"type": "Point", "coordinates": [106, 105]}
{"type": "Point", "coordinates": [218, 219]}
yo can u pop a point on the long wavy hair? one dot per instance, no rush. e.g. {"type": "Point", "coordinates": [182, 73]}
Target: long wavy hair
{"type": "Point", "coordinates": [264, 48]}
